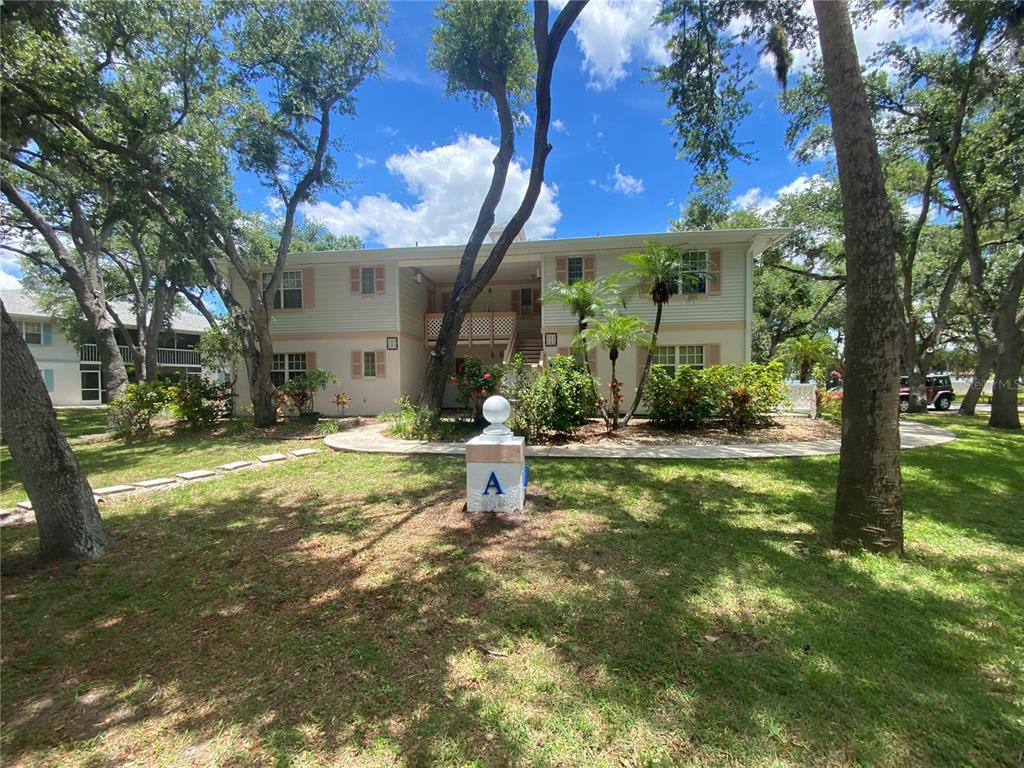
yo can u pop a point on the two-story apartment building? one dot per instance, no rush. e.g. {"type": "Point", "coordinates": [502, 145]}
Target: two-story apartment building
{"type": "Point", "coordinates": [370, 315]}
{"type": "Point", "coordinates": [72, 376]}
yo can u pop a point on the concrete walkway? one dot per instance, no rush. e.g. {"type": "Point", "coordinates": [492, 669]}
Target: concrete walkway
{"type": "Point", "coordinates": [371, 439]}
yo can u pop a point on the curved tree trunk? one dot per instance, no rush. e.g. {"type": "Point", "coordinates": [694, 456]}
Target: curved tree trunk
{"type": "Point", "coordinates": [986, 361]}
{"type": "Point", "coordinates": [66, 513]}
{"type": "Point", "coordinates": [868, 510]}
{"type": "Point", "coordinates": [647, 365]}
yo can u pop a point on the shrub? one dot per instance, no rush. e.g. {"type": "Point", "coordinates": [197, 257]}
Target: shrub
{"type": "Point", "coordinates": [683, 400]}
{"type": "Point", "coordinates": [744, 396]}
{"type": "Point", "coordinates": [476, 384]}
{"type": "Point", "coordinates": [418, 422]}
{"type": "Point", "coordinates": [557, 398]}
{"type": "Point", "coordinates": [830, 408]}
{"type": "Point", "coordinates": [301, 389]}
{"type": "Point", "coordinates": [134, 411]}
{"type": "Point", "coordinates": [198, 402]}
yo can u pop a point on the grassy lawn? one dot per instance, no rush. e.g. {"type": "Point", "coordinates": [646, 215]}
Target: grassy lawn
{"type": "Point", "coordinates": [110, 461]}
{"type": "Point", "coordinates": [342, 610]}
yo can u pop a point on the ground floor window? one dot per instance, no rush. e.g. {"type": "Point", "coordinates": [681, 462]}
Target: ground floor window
{"type": "Point", "coordinates": [369, 365]}
{"type": "Point", "coordinates": [286, 367]}
{"type": "Point", "coordinates": [91, 386]}
{"type": "Point", "coordinates": [670, 358]}
{"type": "Point", "coordinates": [48, 378]}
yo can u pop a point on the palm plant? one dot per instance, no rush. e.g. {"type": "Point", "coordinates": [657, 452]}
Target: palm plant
{"type": "Point", "coordinates": [587, 299]}
{"type": "Point", "coordinates": [615, 332]}
{"type": "Point", "coordinates": [656, 266]}
{"type": "Point", "coordinates": [802, 352]}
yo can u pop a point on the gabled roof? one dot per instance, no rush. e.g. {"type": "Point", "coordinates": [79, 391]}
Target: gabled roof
{"type": "Point", "coordinates": [22, 303]}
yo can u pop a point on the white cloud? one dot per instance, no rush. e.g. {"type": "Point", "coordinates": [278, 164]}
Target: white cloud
{"type": "Point", "coordinates": [611, 34]}
{"type": "Point", "coordinates": [274, 204]}
{"type": "Point", "coordinates": [362, 162]}
{"type": "Point", "coordinates": [448, 183]}
{"type": "Point", "coordinates": [9, 282]}
{"type": "Point", "coordinates": [755, 197]}
{"type": "Point", "coordinates": [628, 185]}
{"type": "Point", "coordinates": [559, 127]}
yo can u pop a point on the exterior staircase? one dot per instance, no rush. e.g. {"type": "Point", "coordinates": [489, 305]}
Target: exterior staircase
{"type": "Point", "coordinates": [530, 349]}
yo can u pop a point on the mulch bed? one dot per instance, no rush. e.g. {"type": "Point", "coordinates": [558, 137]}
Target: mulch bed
{"type": "Point", "coordinates": [784, 429]}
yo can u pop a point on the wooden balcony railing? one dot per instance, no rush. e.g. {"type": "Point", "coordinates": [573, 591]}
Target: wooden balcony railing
{"type": "Point", "coordinates": [477, 327]}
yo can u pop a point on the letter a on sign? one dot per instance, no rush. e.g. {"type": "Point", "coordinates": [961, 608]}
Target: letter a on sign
{"type": "Point", "coordinates": [492, 482]}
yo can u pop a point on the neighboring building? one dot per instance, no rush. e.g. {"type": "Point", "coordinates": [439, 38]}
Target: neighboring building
{"type": "Point", "coordinates": [72, 376]}
{"type": "Point", "coordinates": [370, 315]}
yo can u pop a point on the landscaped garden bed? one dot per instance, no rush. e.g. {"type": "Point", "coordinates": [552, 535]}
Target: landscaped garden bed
{"type": "Point", "coordinates": [782, 429]}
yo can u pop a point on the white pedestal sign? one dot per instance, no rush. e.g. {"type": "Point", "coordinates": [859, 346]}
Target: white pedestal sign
{"type": "Point", "coordinates": [496, 464]}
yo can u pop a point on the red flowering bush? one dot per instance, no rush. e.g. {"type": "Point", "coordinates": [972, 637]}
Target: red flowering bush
{"type": "Point", "coordinates": [475, 384]}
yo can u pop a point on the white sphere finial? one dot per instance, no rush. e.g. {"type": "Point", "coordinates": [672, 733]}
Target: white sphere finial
{"type": "Point", "coordinates": [497, 410]}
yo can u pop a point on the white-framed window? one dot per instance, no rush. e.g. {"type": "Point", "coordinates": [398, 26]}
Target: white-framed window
{"type": "Point", "coordinates": [369, 365]}
{"type": "Point", "coordinates": [289, 292]}
{"type": "Point", "coordinates": [286, 367]}
{"type": "Point", "coordinates": [693, 273]}
{"type": "Point", "coordinates": [670, 358]}
{"type": "Point", "coordinates": [368, 280]}
{"type": "Point", "coordinates": [31, 331]}
{"type": "Point", "coordinates": [573, 269]}
{"type": "Point", "coordinates": [91, 387]}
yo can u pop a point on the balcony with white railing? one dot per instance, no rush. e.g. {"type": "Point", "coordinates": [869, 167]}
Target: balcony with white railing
{"type": "Point", "coordinates": [172, 358]}
{"type": "Point", "coordinates": [477, 327]}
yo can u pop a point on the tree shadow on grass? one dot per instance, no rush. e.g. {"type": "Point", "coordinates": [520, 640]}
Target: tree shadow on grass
{"type": "Point", "coordinates": [679, 601]}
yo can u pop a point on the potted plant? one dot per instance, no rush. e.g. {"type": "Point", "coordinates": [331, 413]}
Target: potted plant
{"type": "Point", "coordinates": [300, 391]}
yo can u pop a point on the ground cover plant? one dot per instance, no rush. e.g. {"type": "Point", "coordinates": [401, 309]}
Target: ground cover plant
{"type": "Point", "coordinates": [343, 610]}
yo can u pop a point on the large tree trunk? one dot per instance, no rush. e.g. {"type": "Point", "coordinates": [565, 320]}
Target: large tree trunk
{"type": "Point", "coordinates": [65, 509]}
{"type": "Point", "coordinates": [986, 361]}
{"type": "Point", "coordinates": [868, 510]}
{"type": "Point", "coordinates": [1009, 345]}
{"type": "Point", "coordinates": [467, 284]}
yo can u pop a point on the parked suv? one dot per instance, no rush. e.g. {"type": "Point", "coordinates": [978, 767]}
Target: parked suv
{"type": "Point", "coordinates": [938, 390]}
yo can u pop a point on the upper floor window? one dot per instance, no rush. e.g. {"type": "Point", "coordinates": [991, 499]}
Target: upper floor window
{"type": "Point", "coordinates": [670, 358]}
{"type": "Point", "coordinates": [693, 272]}
{"type": "Point", "coordinates": [368, 280]}
{"type": "Point", "coordinates": [289, 291]}
{"type": "Point", "coordinates": [286, 367]}
{"type": "Point", "coordinates": [31, 331]}
{"type": "Point", "coordinates": [573, 269]}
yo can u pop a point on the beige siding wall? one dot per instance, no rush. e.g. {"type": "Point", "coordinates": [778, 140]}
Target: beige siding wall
{"type": "Point", "coordinates": [335, 307]}
{"type": "Point", "coordinates": [369, 395]}
{"type": "Point", "coordinates": [728, 306]}
{"type": "Point", "coordinates": [60, 357]}
{"type": "Point", "coordinates": [412, 302]}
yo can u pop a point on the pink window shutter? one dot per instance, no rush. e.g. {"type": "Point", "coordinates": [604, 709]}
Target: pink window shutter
{"type": "Point", "coordinates": [589, 268]}
{"type": "Point", "coordinates": [714, 281]}
{"type": "Point", "coordinates": [562, 269]}
{"type": "Point", "coordinates": [378, 279]}
{"type": "Point", "coordinates": [381, 356]}
{"type": "Point", "coordinates": [712, 354]}
{"type": "Point", "coordinates": [357, 364]}
{"type": "Point", "coordinates": [310, 361]}
{"type": "Point", "coordinates": [355, 282]}
{"type": "Point", "coordinates": [308, 288]}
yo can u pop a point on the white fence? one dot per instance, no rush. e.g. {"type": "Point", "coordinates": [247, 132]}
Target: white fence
{"type": "Point", "coordinates": [164, 356]}
{"type": "Point", "coordinates": [802, 397]}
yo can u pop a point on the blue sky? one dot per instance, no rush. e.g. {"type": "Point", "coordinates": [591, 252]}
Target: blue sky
{"type": "Point", "coordinates": [419, 162]}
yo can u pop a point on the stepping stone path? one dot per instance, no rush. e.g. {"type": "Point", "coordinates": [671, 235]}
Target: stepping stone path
{"type": "Point", "coordinates": [232, 466]}
{"type": "Point", "coordinates": [26, 506]}
{"type": "Point", "coordinates": [110, 490]}
{"type": "Point", "coordinates": [156, 483]}
{"type": "Point", "coordinates": [196, 474]}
